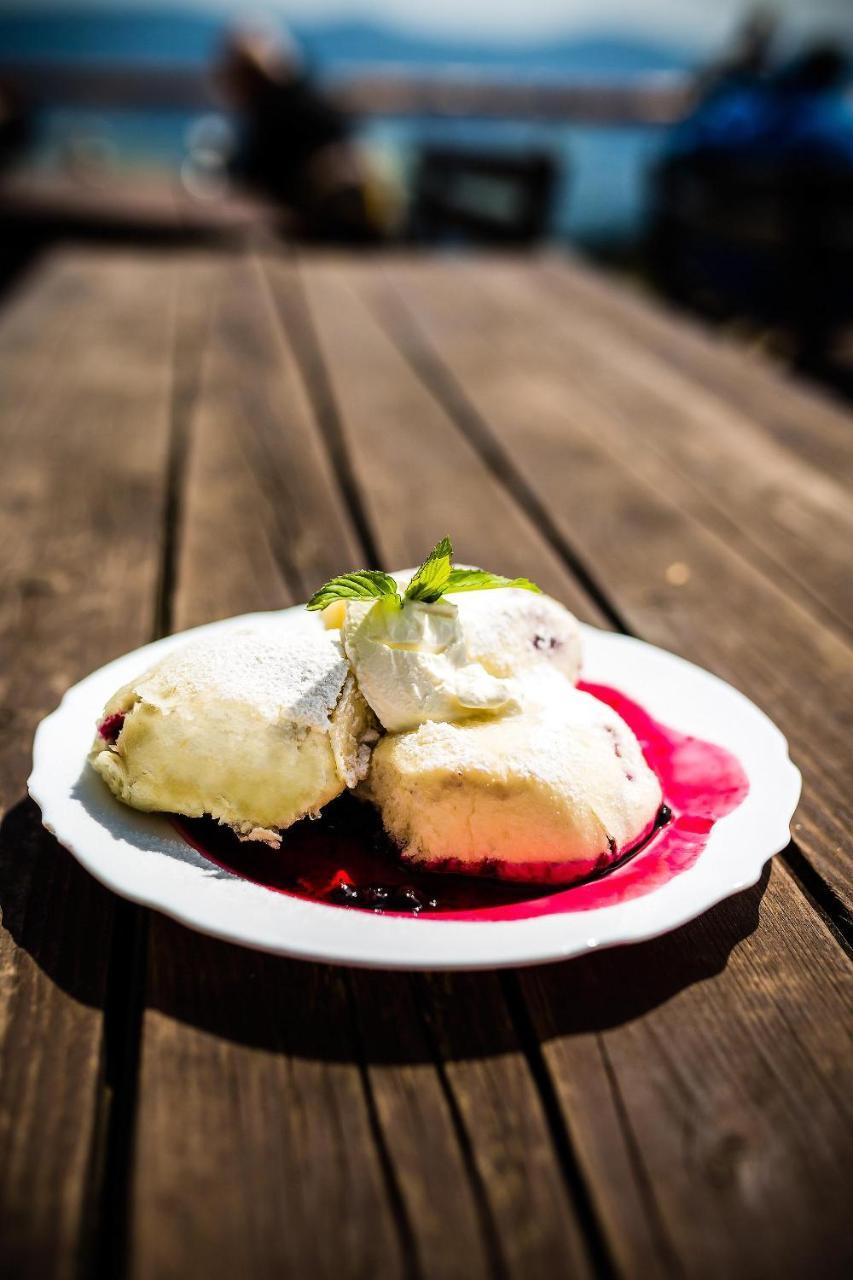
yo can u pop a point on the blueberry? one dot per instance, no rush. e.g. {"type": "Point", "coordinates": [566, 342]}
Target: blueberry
{"type": "Point", "coordinates": [375, 896]}
{"type": "Point", "coordinates": [411, 899]}
{"type": "Point", "coordinates": [346, 894]}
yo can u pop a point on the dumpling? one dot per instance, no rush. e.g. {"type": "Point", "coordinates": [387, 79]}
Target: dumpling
{"type": "Point", "coordinates": [551, 793]}
{"type": "Point", "coordinates": [256, 729]}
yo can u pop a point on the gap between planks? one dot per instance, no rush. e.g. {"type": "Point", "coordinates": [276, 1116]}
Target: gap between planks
{"type": "Point", "coordinates": [89, 372]}
{"type": "Point", "coordinates": [298, 323]}
{"type": "Point", "coordinates": [396, 318]}
{"type": "Point", "coordinates": [352, 355]}
{"type": "Point", "coordinates": [291, 568]}
{"type": "Point", "coordinates": [112, 1157]}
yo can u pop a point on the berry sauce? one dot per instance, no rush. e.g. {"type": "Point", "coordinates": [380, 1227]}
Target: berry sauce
{"type": "Point", "coordinates": [345, 859]}
{"type": "Point", "coordinates": [111, 727]}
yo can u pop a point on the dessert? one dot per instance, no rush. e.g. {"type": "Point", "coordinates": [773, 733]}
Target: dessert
{"type": "Point", "coordinates": [552, 791]}
{"type": "Point", "coordinates": [256, 729]}
{"type": "Point", "coordinates": [509, 630]}
{"type": "Point", "coordinates": [445, 697]}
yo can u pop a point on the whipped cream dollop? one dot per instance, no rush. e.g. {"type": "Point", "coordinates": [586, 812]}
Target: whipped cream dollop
{"type": "Point", "coordinates": [413, 665]}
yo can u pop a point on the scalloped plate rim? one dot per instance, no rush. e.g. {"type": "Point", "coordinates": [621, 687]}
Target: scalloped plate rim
{"type": "Point", "coordinates": [237, 911]}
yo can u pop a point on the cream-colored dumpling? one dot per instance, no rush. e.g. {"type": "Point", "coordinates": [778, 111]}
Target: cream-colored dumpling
{"type": "Point", "coordinates": [256, 729]}
{"type": "Point", "coordinates": [509, 631]}
{"type": "Point", "coordinates": [551, 793]}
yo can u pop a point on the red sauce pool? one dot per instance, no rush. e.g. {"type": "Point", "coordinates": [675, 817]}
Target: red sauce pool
{"type": "Point", "coordinates": [318, 860]}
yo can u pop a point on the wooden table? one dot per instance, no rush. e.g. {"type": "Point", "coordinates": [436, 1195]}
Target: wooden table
{"type": "Point", "coordinates": [189, 436]}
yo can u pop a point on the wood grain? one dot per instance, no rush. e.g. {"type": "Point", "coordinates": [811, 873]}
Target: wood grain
{"type": "Point", "coordinates": [376, 393]}
{"type": "Point", "coordinates": [86, 385]}
{"type": "Point", "coordinates": [792, 520]}
{"type": "Point", "coordinates": [803, 418]}
{"type": "Point", "coordinates": [411, 464]}
{"type": "Point", "coordinates": [320, 1088]}
{"type": "Point", "coordinates": [191, 437]}
{"type": "Point", "coordinates": [707, 1090]}
{"type": "Point", "coordinates": [254, 1145]}
{"type": "Point", "coordinates": [665, 570]}
{"type": "Point", "coordinates": [654, 1136]}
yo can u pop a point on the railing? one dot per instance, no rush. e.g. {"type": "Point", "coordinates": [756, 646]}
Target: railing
{"type": "Point", "coordinates": [648, 99]}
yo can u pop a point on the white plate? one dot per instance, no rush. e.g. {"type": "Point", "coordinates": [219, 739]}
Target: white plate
{"type": "Point", "coordinates": [141, 857]}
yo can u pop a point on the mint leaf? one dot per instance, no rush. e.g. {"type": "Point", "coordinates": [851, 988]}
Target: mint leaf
{"type": "Point", "coordinates": [362, 584]}
{"type": "Point", "coordinates": [427, 585]}
{"type": "Point", "coordinates": [482, 580]}
{"type": "Point", "coordinates": [436, 577]}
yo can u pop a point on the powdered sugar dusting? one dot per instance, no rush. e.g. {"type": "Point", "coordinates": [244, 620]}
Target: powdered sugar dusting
{"type": "Point", "coordinates": [561, 781]}
{"type": "Point", "coordinates": [548, 741]}
{"type": "Point", "coordinates": [295, 673]}
{"type": "Point", "coordinates": [510, 630]}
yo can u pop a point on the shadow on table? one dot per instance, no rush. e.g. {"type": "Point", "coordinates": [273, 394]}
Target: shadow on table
{"type": "Point", "coordinates": [52, 908]}
{"type": "Point", "coordinates": [62, 918]}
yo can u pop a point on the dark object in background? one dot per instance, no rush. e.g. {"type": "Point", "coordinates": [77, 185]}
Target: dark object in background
{"type": "Point", "coordinates": [491, 197]}
{"type": "Point", "coordinates": [752, 208]}
{"type": "Point", "coordinates": [747, 55]}
{"type": "Point", "coordinates": [296, 146]}
{"type": "Point", "coordinates": [15, 124]}
{"type": "Point", "coordinates": [16, 130]}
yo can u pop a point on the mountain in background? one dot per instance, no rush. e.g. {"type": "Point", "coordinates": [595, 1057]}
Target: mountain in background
{"type": "Point", "coordinates": [159, 36]}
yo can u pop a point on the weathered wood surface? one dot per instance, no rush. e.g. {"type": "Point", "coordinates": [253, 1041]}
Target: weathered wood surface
{"type": "Point", "coordinates": [86, 390]}
{"type": "Point", "coordinates": [638, 523]}
{"type": "Point", "coordinates": [237, 429]}
{"type": "Point", "coordinates": [377, 387]}
{"type": "Point", "coordinates": [367, 1134]}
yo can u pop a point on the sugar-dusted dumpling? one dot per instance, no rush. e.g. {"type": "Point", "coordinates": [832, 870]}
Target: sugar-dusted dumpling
{"type": "Point", "coordinates": [509, 631]}
{"type": "Point", "coordinates": [550, 793]}
{"type": "Point", "coordinates": [256, 728]}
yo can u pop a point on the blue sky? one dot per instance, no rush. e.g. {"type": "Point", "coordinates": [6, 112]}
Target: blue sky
{"type": "Point", "coordinates": [698, 21]}
{"type": "Point", "coordinates": [698, 24]}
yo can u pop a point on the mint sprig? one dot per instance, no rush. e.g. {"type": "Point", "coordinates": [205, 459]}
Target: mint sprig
{"type": "Point", "coordinates": [435, 578]}
{"type": "Point", "coordinates": [428, 582]}
{"type": "Point", "coordinates": [482, 580]}
{"type": "Point", "coordinates": [362, 584]}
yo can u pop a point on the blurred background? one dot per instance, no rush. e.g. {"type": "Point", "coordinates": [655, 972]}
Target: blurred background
{"type": "Point", "coordinates": [703, 150]}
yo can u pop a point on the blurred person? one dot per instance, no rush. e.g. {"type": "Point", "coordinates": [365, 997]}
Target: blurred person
{"type": "Point", "coordinates": [296, 146]}
{"type": "Point", "coordinates": [814, 136]}
{"type": "Point", "coordinates": [747, 56]}
{"type": "Point", "coordinates": [753, 201]}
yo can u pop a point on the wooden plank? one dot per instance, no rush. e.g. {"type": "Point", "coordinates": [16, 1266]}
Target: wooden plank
{"type": "Point", "coordinates": [693, 1157]}
{"type": "Point", "coordinates": [85, 368]}
{"type": "Point", "coordinates": [789, 517]}
{"type": "Point", "coordinates": [666, 571]}
{"type": "Point", "coordinates": [725, 1056]}
{"type": "Point", "coordinates": [803, 418]}
{"type": "Point", "coordinates": [315, 1135]}
{"type": "Point", "coordinates": [255, 1147]}
{"type": "Point", "coordinates": [255, 1055]}
{"type": "Point", "coordinates": [420, 479]}
{"type": "Point", "coordinates": [409, 461]}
